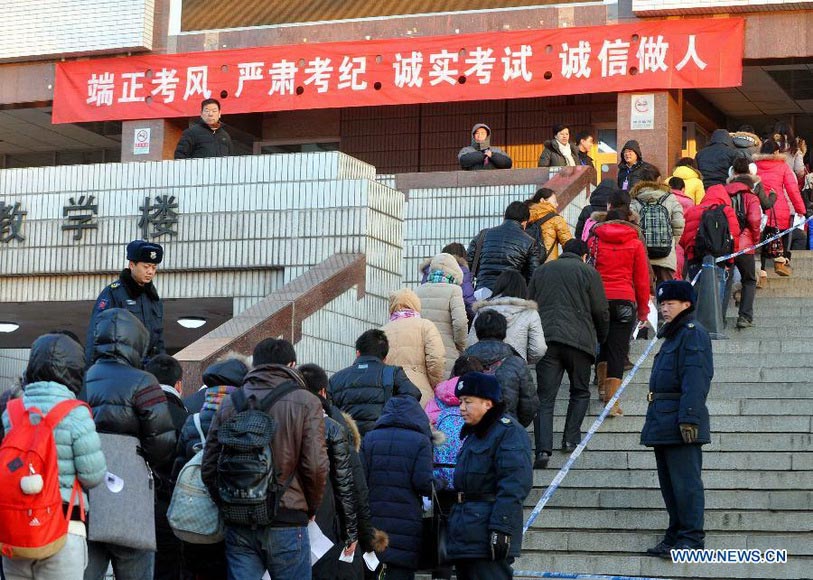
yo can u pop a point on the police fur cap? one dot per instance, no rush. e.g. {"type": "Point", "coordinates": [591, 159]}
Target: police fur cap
{"type": "Point", "coordinates": [479, 385]}
{"type": "Point", "coordinates": [676, 290]}
{"type": "Point", "coordinates": [143, 251]}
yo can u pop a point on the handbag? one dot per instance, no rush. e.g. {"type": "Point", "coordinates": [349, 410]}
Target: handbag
{"type": "Point", "coordinates": [435, 534]}
{"type": "Point", "coordinates": [773, 249]}
{"type": "Point", "coordinates": [122, 508]}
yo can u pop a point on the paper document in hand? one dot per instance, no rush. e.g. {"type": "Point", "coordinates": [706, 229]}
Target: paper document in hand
{"type": "Point", "coordinates": [320, 543]}
{"type": "Point", "coordinates": [371, 561]}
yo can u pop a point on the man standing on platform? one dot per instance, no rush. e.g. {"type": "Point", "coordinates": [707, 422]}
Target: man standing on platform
{"type": "Point", "coordinates": [677, 419]}
{"type": "Point", "coordinates": [134, 291]}
{"type": "Point", "coordinates": [206, 137]}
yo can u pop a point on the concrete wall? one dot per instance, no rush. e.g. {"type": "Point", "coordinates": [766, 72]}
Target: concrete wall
{"type": "Point", "coordinates": [246, 226]}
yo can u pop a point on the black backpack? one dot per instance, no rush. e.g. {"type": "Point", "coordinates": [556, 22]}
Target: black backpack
{"type": "Point", "coordinates": [738, 203]}
{"type": "Point", "coordinates": [656, 223]}
{"type": "Point", "coordinates": [247, 478]}
{"type": "Point", "coordinates": [713, 235]}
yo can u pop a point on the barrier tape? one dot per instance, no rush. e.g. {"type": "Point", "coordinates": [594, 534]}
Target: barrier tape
{"type": "Point", "coordinates": [528, 574]}
{"type": "Point", "coordinates": [760, 244]}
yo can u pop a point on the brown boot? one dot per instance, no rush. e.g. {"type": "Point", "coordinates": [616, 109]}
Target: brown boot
{"type": "Point", "coordinates": [611, 386]}
{"type": "Point", "coordinates": [762, 279]}
{"type": "Point", "coordinates": [601, 373]}
{"type": "Point", "coordinates": [782, 268]}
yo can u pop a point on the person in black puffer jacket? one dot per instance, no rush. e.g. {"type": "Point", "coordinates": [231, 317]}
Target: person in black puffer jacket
{"type": "Point", "coordinates": [397, 458]}
{"type": "Point", "coordinates": [502, 247]}
{"type": "Point", "coordinates": [206, 137]}
{"type": "Point", "coordinates": [126, 401]}
{"type": "Point", "coordinates": [362, 389]}
{"type": "Point", "coordinates": [598, 202]}
{"type": "Point", "coordinates": [501, 360]}
{"type": "Point", "coordinates": [715, 159]}
{"type": "Point", "coordinates": [631, 166]}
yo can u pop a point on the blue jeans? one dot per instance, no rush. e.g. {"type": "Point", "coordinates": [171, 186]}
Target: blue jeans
{"type": "Point", "coordinates": [128, 563]}
{"type": "Point", "coordinates": [284, 552]}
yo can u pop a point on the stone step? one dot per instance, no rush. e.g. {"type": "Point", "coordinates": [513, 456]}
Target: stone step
{"type": "Point", "coordinates": [647, 479]}
{"type": "Point", "coordinates": [767, 320]}
{"type": "Point", "coordinates": [757, 442]}
{"type": "Point", "coordinates": [656, 519]}
{"type": "Point", "coordinates": [723, 390]}
{"type": "Point", "coordinates": [651, 499]}
{"type": "Point", "coordinates": [754, 361]}
{"type": "Point", "coordinates": [644, 458]}
{"type": "Point", "coordinates": [635, 542]}
{"type": "Point", "coordinates": [791, 302]}
{"type": "Point", "coordinates": [747, 374]}
{"type": "Point", "coordinates": [723, 424]}
{"type": "Point", "coordinates": [794, 287]}
{"type": "Point", "coordinates": [635, 405]}
{"type": "Point", "coordinates": [635, 565]}
{"type": "Point", "coordinates": [742, 345]}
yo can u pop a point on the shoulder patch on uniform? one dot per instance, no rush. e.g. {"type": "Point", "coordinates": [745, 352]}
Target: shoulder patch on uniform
{"type": "Point", "coordinates": [115, 284]}
{"type": "Point", "coordinates": [102, 304]}
{"type": "Point", "coordinates": [506, 420]}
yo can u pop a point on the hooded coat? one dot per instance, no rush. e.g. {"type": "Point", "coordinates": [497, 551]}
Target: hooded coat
{"type": "Point", "coordinates": [777, 176]}
{"type": "Point", "coordinates": [628, 175]}
{"type": "Point", "coordinates": [524, 332]}
{"type": "Point", "coordinates": [746, 142]}
{"type": "Point", "coordinates": [743, 186]}
{"type": "Point", "coordinates": [473, 157]}
{"type": "Point", "coordinates": [597, 202]}
{"type": "Point", "coordinates": [229, 372]}
{"type": "Point", "coordinates": [622, 263]}
{"type": "Point", "coordinates": [693, 180]}
{"type": "Point", "coordinates": [125, 399]}
{"type": "Point", "coordinates": [555, 231]}
{"type": "Point", "coordinates": [442, 303]}
{"type": "Point", "coordinates": [715, 195]}
{"type": "Point", "coordinates": [415, 345]}
{"type": "Point", "coordinates": [646, 192]}
{"type": "Point", "coordinates": [552, 156]}
{"type": "Point", "coordinates": [467, 285]}
{"type": "Point", "coordinates": [715, 158]}
{"type": "Point", "coordinates": [518, 391]}
{"type": "Point", "coordinates": [54, 374]}
{"type": "Point", "coordinates": [397, 459]}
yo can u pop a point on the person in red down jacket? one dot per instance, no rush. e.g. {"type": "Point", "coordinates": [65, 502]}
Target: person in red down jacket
{"type": "Point", "coordinates": [715, 195]}
{"type": "Point", "coordinates": [622, 263]}
{"type": "Point", "coordinates": [741, 187]}
{"type": "Point", "coordinates": [776, 175]}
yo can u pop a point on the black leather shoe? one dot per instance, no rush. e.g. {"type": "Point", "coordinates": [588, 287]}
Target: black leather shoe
{"type": "Point", "coordinates": [661, 550]}
{"type": "Point", "coordinates": [541, 460]}
{"type": "Point", "coordinates": [568, 447]}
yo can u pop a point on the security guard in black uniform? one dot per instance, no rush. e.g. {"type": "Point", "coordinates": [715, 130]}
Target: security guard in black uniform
{"type": "Point", "coordinates": [134, 291]}
{"type": "Point", "coordinates": [677, 419]}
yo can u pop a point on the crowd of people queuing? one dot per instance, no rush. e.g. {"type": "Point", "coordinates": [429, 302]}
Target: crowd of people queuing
{"type": "Point", "coordinates": [270, 455]}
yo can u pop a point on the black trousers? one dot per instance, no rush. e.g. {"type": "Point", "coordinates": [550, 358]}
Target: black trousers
{"type": "Point", "coordinates": [679, 468]}
{"type": "Point", "coordinates": [558, 360]}
{"type": "Point", "coordinates": [484, 569]}
{"type": "Point", "coordinates": [746, 264]}
{"type": "Point", "coordinates": [616, 347]}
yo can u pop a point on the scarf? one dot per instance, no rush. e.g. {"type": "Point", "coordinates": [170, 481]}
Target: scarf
{"type": "Point", "coordinates": [566, 152]}
{"type": "Point", "coordinates": [436, 276]}
{"type": "Point", "coordinates": [399, 314]}
{"type": "Point", "coordinates": [215, 396]}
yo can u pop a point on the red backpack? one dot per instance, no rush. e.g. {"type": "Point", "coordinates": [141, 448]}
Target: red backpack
{"type": "Point", "coordinates": [33, 523]}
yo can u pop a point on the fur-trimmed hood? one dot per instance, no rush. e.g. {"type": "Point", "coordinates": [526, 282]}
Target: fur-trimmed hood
{"type": "Point", "coordinates": [769, 157]}
{"type": "Point", "coordinates": [600, 217]}
{"type": "Point", "coordinates": [423, 268]}
{"type": "Point", "coordinates": [751, 181]}
{"type": "Point", "coordinates": [505, 301]}
{"type": "Point", "coordinates": [404, 299]}
{"type": "Point", "coordinates": [353, 427]}
{"type": "Point", "coordinates": [646, 191]}
{"type": "Point", "coordinates": [447, 264]}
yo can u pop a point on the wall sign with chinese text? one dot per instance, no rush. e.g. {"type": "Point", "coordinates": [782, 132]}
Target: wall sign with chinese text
{"type": "Point", "coordinates": [642, 112]}
{"type": "Point", "coordinates": [649, 55]}
{"type": "Point", "coordinates": [141, 141]}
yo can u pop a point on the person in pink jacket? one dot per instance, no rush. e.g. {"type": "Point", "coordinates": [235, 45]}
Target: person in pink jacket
{"type": "Point", "coordinates": [678, 186]}
{"type": "Point", "coordinates": [775, 174]}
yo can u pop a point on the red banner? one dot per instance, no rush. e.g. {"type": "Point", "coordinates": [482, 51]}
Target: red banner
{"type": "Point", "coordinates": [648, 55]}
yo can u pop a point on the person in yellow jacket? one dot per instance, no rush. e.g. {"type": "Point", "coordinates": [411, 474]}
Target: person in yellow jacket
{"type": "Point", "coordinates": [546, 226]}
{"type": "Point", "coordinates": [686, 169]}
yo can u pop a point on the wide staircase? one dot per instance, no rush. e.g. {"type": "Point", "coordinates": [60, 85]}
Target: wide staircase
{"type": "Point", "coordinates": [758, 470]}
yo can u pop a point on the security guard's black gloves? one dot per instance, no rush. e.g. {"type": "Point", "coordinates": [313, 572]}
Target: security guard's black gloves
{"type": "Point", "coordinates": [688, 432]}
{"type": "Point", "coordinates": [500, 544]}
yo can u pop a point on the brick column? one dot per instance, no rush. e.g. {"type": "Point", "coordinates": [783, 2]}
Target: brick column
{"type": "Point", "coordinates": [660, 145]}
{"type": "Point", "coordinates": [163, 137]}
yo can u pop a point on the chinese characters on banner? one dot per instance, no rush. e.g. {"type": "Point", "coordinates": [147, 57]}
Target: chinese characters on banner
{"type": "Point", "coordinates": [159, 217]}
{"type": "Point", "coordinates": [529, 63]}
